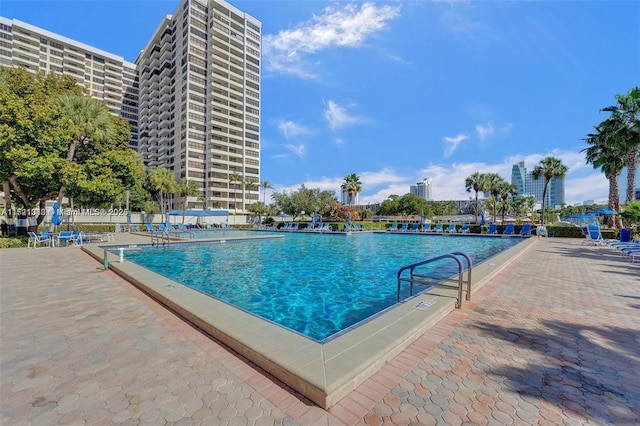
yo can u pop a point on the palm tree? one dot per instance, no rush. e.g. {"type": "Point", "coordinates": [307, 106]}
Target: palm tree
{"type": "Point", "coordinates": [627, 117]}
{"type": "Point", "coordinates": [492, 182]}
{"type": "Point", "coordinates": [188, 188]}
{"type": "Point", "coordinates": [504, 190]}
{"type": "Point", "coordinates": [235, 179]}
{"type": "Point", "coordinates": [163, 181]}
{"type": "Point", "coordinates": [549, 167]}
{"type": "Point", "coordinates": [351, 186]}
{"type": "Point", "coordinates": [265, 184]}
{"type": "Point", "coordinates": [607, 152]}
{"type": "Point", "coordinates": [89, 120]}
{"type": "Point", "coordinates": [476, 182]}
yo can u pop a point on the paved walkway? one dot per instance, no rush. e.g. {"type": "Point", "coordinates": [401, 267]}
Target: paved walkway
{"type": "Point", "coordinates": [553, 339]}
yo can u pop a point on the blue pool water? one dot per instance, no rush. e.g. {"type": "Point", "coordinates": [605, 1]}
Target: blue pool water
{"type": "Point", "coordinates": [317, 285]}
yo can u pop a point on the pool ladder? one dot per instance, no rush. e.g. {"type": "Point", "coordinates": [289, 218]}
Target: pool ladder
{"type": "Point", "coordinates": [434, 281]}
{"type": "Point", "coordinates": [159, 237]}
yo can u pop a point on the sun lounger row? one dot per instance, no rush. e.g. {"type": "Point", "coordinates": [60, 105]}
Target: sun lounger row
{"type": "Point", "coordinates": [452, 229]}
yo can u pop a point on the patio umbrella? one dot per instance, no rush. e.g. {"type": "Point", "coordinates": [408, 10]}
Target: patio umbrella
{"type": "Point", "coordinates": [56, 215]}
{"type": "Point", "coordinates": [421, 218]}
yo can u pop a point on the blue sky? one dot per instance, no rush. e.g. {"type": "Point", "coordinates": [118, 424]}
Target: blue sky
{"type": "Point", "coordinates": [400, 91]}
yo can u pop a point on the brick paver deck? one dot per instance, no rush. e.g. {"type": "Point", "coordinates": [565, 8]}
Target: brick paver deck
{"type": "Point", "coordinates": [553, 339]}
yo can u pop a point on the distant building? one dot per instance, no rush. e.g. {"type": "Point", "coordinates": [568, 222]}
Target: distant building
{"type": "Point", "coordinates": [423, 189]}
{"type": "Point", "coordinates": [526, 185]}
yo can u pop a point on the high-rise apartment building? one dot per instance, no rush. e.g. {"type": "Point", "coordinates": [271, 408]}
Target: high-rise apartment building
{"type": "Point", "coordinates": [422, 189]}
{"type": "Point", "coordinates": [105, 76]}
{"type": "Point", "coordinates": [199, 100]}
{"type": "Point", "coordinates": [526, 185]}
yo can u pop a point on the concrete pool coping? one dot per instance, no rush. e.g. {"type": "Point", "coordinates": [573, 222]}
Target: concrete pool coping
{"type": "Point", "coordinates": [322, 372]}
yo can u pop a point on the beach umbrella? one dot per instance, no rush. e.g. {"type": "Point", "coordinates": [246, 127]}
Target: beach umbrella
{"type": "Point", "coordinates": [421, 218]}
{"type": "Point", "coordinates": [129, 217]}
{"type": "Point", "coordinates": [482, 218]}
{"type": "Point", "coordinates": [349, 217]}
{"type": "Point", "coordinates": [56, 214]}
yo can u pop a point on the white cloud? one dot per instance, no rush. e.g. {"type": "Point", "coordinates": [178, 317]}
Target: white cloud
{"type": "Point", "coordinates": [581, 183]}
{"type": "Point", "coordinates": [296, 149]}
{"type": "Point", "coordinates": [452, 142]}
{"type": "Point", "coordinates": [290, 129]}
{"type": "Point", "coordinates": [490, 130]}
{"type": "Point", "coordinates": [350, 26]}
{"type": "Point", "coordinates": [484, 132]}
{"type": "Point", "coordinates": [338, 118]}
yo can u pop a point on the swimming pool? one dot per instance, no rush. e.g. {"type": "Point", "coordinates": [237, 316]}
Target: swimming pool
{"type": "Point", "coordinates": [317, 285]}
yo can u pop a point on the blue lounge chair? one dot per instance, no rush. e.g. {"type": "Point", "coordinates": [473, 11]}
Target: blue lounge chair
{"type": "Point", "coordinates": [404, 228]}
{"type": "Point", "coordinates": [526, 230]}
{"type": "Point", "coordinates": [451, 228]}
{"type": "Point", "coordinates": [464, 229]}
{"type": "Point", "coordinates": [593, 236]}
{"type": "Point", "coordinates": [150, 228]}
{"type": "Point", "coordinates": [493, 229]}
{"type": "Point", "coordinates": [508, 230]}
{"type": "Point", "coordinates": [65, 237]}
{"type": "Point", "coordinates": [438, 228]}
{"type": "Point", "coordinates": [414, 228]}
{"type": "Point", "coordinates": [37, 239]}
{"type": "Point", "coordinates": [393, 228]}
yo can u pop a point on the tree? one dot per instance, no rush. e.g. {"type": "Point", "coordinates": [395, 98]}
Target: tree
{"type": "Point", "coordinates": [504, 190]}
{"type": "Point", "coordinates": [89, 121]}
{"type": "Point", "coordinates": [607, 152]}
{"type": "Point", "coordinates": [351, 186]}
{"type": "Point", "coordinates": [626, 120]}
{"type": "Point", "coordinates": [549, 168]}
{"type": "Point", "coordinates": [42, 152]}
{"type": "Point", "coordinates": [475, 182]}
{"type": "Point", "coordinates": [163, 181]}
{"type": "Point", "coordinates": [492, 182]}
{"type": "Point", "coordinates": [250, 185]}
{"type": "Point", "coordinates": [304, 199]}
{"type": "Point", "coordinates": [265, 184]}
{"type": "Point", "coordinates": [234, 180]}
{"type": "Point", "coordinates": [188, 188]}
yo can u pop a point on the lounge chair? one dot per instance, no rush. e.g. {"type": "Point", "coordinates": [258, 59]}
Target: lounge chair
{"type": "Point", "coordinates": [414, 228]}
{"type": "Point", "coordinates": [508, 230]}
{"type": "Point", "coordinates": [66, 237]}
{"type": "Point", "coordinates": [404, 228]}
{"type": "Point", "coordinates": [493, 229]}
{"type": "Point", "coordinates": [438, 228]}
{"type": "Point", "coordinates": [150, 228]}
{"type": "Point", "coordinates": [526, 230]}
{"type": "Point", "coordinates": [464, 229]}
{"type": "Point", "coordinates": [451, 228]}
{"type": "Point", "coordinates": [393, 228]}
{"type": "Point", "coordinates": [37, 239]}
{"type": "Point", "coordinates": [593, 236]}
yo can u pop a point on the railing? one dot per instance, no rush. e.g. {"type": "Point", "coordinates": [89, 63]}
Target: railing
{"type": "Point", "coordinates": [435, 281]}
{"type": "Point", "coordinates": [160, 237]}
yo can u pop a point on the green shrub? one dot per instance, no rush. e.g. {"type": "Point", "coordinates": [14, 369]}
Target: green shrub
{"type": "Point", "coordinates": [13, 242]}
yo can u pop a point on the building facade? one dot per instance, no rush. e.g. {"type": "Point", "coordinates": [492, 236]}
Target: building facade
{"type": "Point", "coordinates": [526, 185]}
{"type": "Point", "coordinates": [423, 189]}
{"type": "Point", "coordinates": [105, 76]}
{"type": "Point", "coordinates": [199, 105]}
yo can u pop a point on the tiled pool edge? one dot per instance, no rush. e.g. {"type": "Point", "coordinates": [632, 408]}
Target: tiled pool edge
{"type": "Point", "coordinates": [324, 373]}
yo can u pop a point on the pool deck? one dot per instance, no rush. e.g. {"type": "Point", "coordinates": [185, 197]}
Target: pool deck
{"type": "Point", "coordinates": [553, 337]}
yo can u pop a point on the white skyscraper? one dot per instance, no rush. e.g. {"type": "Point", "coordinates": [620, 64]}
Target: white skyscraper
{"type": "Point", "coordinates": [200, 100]}
{"type": "Point", "coordinates": [422, 189]}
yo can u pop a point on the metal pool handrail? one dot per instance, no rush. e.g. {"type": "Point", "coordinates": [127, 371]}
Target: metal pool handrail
{"type": "Point", "coordinates": [438, 281]}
